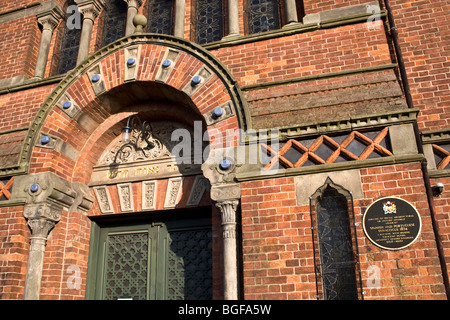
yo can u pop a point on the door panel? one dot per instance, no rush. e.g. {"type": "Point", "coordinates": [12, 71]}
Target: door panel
{"type": "Point", "coordinates": [171, 260]}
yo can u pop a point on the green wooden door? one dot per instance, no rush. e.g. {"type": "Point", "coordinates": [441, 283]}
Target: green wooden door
{"type": "Point", "coordinates": [162, 261]}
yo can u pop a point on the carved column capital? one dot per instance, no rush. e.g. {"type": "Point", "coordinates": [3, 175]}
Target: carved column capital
{"type": "Point", "coordinates": [134, 3]}
{"type": "Point", "coordinates": [40, 228]}
{"type": "Point", "coordinates": [90, 8]}
{"type": "Point", "coordinates": [228, 212]}
{"type": "Point", "coordinates": [49, 15]}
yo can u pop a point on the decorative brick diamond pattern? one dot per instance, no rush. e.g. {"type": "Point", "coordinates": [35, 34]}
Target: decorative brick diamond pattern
{"type": "Point", "coordinates": [338, 150]}
{"type": "Point", "coordinates": [5, 189]}
{"type": "Point", "coordinates": [442, 153]}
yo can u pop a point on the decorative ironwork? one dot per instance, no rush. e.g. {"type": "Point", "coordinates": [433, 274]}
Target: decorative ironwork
{"type": "Point", "coordinates": [70, 42]}
{"type": "Point", "coordinates": [442, 156]}
{"type": "Point", "coordinates": [190, 265]}
{"type": "Point", "coordinates": [262, 15]}
{"type": "Point", "coordinates": [139, 142]}
{"type": "Point", "coordinates": [114, 21]}
{"type": "Point", "coordinates": [126, 266]}
{"type": "Point", "coordinates": [160, 13]}
{"type": "Point", "coordinates": [335, 244]}
{"type": "Point", "coordinates": [325, 149]}
{"type": "Point", "coordinates": [209, 21]}
{"type": "Point", "coordinates": [6, 188]}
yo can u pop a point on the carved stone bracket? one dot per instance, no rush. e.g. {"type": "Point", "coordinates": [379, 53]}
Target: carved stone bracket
{"type": "Point", "coordinates": [45, 196]}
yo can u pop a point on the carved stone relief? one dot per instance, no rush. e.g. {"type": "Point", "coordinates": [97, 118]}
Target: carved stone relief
{"type": "Point", "coordinates": [125, 191]}
{"type": "Point", "coordinates": [173, 192]}
{"type": "Point", "coordinates": [104, 199]}
{"type": "Point", "coordinates": [197, 191]}
{"type": "Point", "coordinates": [149, 195]}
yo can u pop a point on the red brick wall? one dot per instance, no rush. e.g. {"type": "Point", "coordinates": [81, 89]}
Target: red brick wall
{"type": "Point", "coordinates": [442, 211]}
{"type": "Point", "coordinates": [14, 246]}
{"type": "Point", "coordinates": [312, 53]}
{"type": "Point", "coordinates": [7, 6]}
{"type": "Point", "coordinates": [277, 241]}
{"type": "Point", "coordinates": [314, 6]}
{"type": "Point", "coordinates": [19, 108]}
{"type": "Point", "coordinates": [19, 45]}
{"type": "Point", "coordinates": [424, 30]}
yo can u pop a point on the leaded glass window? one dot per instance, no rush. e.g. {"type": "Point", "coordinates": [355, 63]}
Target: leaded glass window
{"type": "Point", "coordinates": [262, 15]}
{"type": "Point", "coordinates": [160, 13]}
{"type": "Point", "coordinates": [114, 21]}
{"type": "Point", "coordinates": [335, 247]}
{"type": "Point", "coordinates": [66, 58]}
{"type": "Point", "coordinates": [208, 21]}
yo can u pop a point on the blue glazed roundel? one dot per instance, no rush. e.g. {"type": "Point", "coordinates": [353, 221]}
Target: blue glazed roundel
{"type": "Point", "coordinates": [225, 164]}
{"type": "Point", "coordinates": [45, 140]}
{"type": "Point", "coordinates": [166, 63]}
{"type": "Point", "coordinates": [67, 105]}
{"type": "Point", "coordinates": [34, 187]}
{"type": "Point", "coordinates": [95, 78]}
{"type": "Point", "coordinates": [196, 80]}
{"type": "Point", "coordinates": [131, 62]}
{"type": "Point", "coordinates": [217, 112]}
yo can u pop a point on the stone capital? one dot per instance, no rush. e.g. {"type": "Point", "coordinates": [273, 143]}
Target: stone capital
{"type": "Point", "coordinates": [49, 15]}
{"type": "Point", "coordinates": [90, 8]}
{"type": "Point", "coordinates": [134, 3]}
{"type": "Point", "coordinates": [40, 229]}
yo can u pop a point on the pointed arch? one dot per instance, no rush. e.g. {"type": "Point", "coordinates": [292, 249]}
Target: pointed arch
{"type": "Point", "coordinates": [335, 243]}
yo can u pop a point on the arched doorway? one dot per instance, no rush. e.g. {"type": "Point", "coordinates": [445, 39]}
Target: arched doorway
{"type": "Point", "coordinates": [158, 78]}
{"type": "Point", "coordinates": [152, 237]}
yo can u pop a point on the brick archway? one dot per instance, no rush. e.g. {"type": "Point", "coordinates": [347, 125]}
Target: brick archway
{"type": "Point", "coordinates": [92, 99]}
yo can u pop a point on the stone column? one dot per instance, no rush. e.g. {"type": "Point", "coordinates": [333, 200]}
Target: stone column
{"type": "Point", "coordinates": [180, 6]}
{"type": "Point", "coordinates": [45, 196]}
{"type": "Point", "coordinates": [48, 17]}
{"type": "Point", "coordinates": [228, 213]}
{"type": "Point", "coordinates": [291, 11]}
{"type": "Point", "coordinates": [90, 10]}
{"type": "Point", "coordinates": [41, 220]}
{"type": "Point", "coordinates": [133, 6]}
{"type": "Point", "coordinates": [233, 18]}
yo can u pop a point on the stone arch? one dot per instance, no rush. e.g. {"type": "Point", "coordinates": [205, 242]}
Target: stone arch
{"type": "Point", "coordinates": [126, 69]}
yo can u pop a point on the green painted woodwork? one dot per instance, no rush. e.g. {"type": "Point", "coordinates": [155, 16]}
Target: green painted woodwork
{"type": "Point", "coordinates": [151, 261]}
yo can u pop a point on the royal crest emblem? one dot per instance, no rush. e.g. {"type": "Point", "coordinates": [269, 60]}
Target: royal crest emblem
{"type": "Point", "coordinates": [389, 207]}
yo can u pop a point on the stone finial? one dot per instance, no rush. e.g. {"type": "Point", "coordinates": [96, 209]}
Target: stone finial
{"type": "Point", "coordinates": [139, 21]}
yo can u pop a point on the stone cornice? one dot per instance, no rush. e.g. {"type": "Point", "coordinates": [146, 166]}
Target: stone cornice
{"type": "Point", "coordinates": [435, 136]}
{"type": "Point", "coordinates": [340, 125]}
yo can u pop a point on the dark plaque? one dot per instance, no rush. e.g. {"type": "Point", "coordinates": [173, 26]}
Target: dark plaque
{"type": "Point", "coordinates": [392, 223]}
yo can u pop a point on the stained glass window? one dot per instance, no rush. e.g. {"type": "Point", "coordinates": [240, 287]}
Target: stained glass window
{"type": "Point", "coordinates": [208, 21]}
{"type": "Point", "coordinates": [160, 13]}
{"type": "Point", "coordinates": [262, 15]}
{"type": "Point", "coordinates": [66, 58]}
{"type": "Point", "coordinates": [114, 21]}
{"type": "Point", "coordinates": [335, 247]}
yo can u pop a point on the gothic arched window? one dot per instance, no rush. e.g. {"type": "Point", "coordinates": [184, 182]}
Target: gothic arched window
{"type": "Point", "coordinates": [160, 16]}
{"type": "Point", "coordinates": [66, 58]}
{"type": "Point", "coordinates": [208, 21]}
{"type": "Point", "coordinates": [263, 15]}
{"type": "Point", "coordinates": [114, 21]}
{"type": "Point", "coordinates": [335, 247]}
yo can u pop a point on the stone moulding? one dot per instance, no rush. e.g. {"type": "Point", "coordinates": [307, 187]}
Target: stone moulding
{"type": "Point", "coordinates": [211, 62]}
{"type": "Point", "coordinates": [357, 123]}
